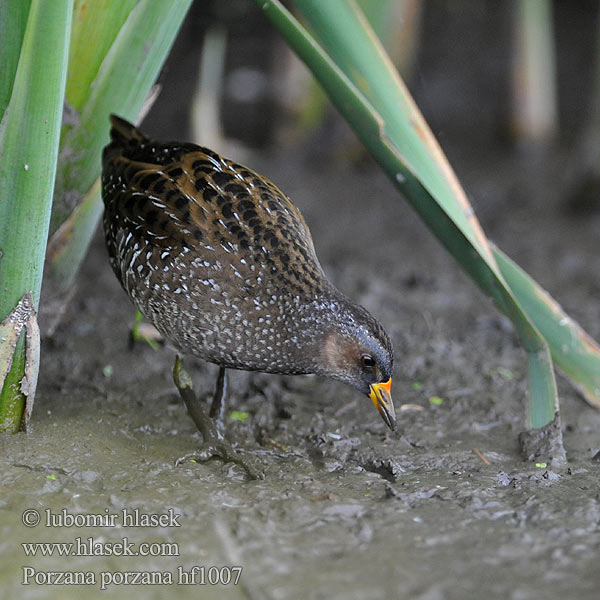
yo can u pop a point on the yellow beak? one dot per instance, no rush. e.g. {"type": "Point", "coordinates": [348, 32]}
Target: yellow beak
{"type": "Point", "coordinates": [381, 397]}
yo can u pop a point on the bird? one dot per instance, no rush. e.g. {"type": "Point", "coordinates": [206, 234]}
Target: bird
{"type": "Point", "coordinates": [222, 263]}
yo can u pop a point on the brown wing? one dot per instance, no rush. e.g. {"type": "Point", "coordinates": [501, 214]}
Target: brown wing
{"type": "Point", "coordinates": [183, 198]}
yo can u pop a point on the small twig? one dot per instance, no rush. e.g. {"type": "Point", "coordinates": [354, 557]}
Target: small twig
{"type": "Point", "coordinates": [481, 456]}
{"type": "Point", "coordinates": [408, 406]}
{"type": "Point", "coordinates": [277, 445]}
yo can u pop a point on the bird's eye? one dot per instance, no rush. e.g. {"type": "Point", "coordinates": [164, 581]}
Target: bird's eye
{"type": "Point", "coordinates": [367, 360]}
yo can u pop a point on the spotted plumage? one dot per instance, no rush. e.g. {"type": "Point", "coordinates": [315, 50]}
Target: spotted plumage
{"type": "Point", "coordinates": [223, 264]}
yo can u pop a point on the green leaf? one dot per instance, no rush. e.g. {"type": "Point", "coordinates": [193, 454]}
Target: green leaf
{"type": "Point", "coordinates": [120, 85]}
{"type": "Point", "coordinates": [95, 26]}
{"type": "Point", "coordinates": [113, 74]}
{"type": "Point", "coordinates": [67, 247]}
{"type": "Point", "coordinates": [13, 19]}
{"type": "Point", "coordinates": [361, 81]}
{"type": "Point", "coordinates": [503, 372]}
{"type": "Point", "coordinates": [29, 136]}
{"type": "Point", "coordinates": [573, 350]}
{"type": "Point", "coordinates": [238, 415]}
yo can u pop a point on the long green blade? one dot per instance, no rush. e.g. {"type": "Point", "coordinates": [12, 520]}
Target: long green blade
{"type": "Point", "coordinates": [347, 37]}
{"type": "Point", "coordinates": [121, 85]}
{"type": "Point", "coordinates": [113, 75]}
{"type": "Point", "coordinates": [352, 45]}
{"type": "Point", "coordinates": [95, 28]}
{"type": "Point", "coordinates": [573, 350]}
{"type": "Point", "coordinates": [365, 87]}
{"type": "Point", "coordinates": [29, 137]}
{"type": "Point", "coordinates": [68, 245]}
{"type": "Point", "coordinates": [13, 19]}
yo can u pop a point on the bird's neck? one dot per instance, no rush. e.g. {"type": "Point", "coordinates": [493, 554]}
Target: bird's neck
{"type": "Point", "coordinates": [316, 327]}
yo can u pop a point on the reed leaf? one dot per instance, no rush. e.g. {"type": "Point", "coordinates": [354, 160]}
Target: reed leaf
{"type": "Point", "coordinates": [114, 76]}
{"type": "Point", "coordinates": [29, 137]}
{"type": "Point", "coordinates": [349, 62]}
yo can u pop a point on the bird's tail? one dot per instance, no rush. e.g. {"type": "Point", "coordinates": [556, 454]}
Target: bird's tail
{"type": "Point", "coordinates": [122, 132]}
{"type": "Point", "coordinates": [125, 140]}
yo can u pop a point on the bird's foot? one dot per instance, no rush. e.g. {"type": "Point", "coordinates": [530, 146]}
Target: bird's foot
{"type": "Point", "coordinates": [225, 451]}
{"type": "Point", "coordinates": [214, 442]}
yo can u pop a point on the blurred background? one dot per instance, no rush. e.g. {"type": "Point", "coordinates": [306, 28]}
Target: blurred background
{"type": "Point", "coordinates": [231, 83]}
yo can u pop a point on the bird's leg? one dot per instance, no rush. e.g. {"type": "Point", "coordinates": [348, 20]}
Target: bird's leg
{"type": "Point", "coordinates": [196, 410]}
{"type": "Point", "coordinates": [217, 408]}
{"type": "Point", "coordinates": [214, 444]}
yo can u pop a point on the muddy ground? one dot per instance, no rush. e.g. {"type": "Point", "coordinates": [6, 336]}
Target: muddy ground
{"type": "Point", "coordinates": [445, 508]}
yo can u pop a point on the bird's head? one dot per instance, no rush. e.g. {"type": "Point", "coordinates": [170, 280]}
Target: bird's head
{"type": "Point", "coordinates": [358, 352]}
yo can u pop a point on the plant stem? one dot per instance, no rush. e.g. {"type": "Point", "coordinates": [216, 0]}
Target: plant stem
{"type": "Point", "coordinates": [29, 136]}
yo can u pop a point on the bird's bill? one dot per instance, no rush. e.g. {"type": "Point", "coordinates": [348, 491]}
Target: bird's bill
{"type": "Point", "coordinates": [381, 396]}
